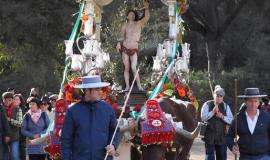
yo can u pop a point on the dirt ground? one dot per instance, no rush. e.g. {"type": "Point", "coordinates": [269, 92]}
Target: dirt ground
{"type": "Point", "coordinates": [197, 151]}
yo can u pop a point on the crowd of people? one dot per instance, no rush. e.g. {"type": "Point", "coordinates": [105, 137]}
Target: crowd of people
{"type": "Point", "coordinates": [247, 136]}
{"type": "Point", "coordinates": [21, 121]}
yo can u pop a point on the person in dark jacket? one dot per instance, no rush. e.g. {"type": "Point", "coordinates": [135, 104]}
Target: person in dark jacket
{"type": "Point", "coordinates": [89, 125]}
{"type": "Point", "coordinates": [14, 117]}
{"type": "Point", "coordinates": [35, 123]}
{"type": "Point", "coordinates": [253, 129]}
{"type": "Point", "coordinates": [4, 133]}
{"type": "Point", "coordinates": [218, 116]}
{"type": "Point", "coordinates": [266, 105]}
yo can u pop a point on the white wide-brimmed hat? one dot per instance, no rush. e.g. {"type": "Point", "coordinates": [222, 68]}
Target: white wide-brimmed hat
{"type": "Point", "coordinates": [252, 93]}
{"type": "Point", "coordinates": [91, 82]}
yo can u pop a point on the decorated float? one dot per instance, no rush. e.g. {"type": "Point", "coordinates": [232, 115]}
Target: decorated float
{"type": "Point", "coordinates": [169, 78]}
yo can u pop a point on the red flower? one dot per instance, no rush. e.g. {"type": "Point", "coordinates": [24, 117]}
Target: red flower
{"type": "Point", "coordinates": [181, 92]}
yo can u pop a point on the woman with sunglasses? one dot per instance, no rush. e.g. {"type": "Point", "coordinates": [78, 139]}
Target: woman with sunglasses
{"type": "Point", "coordinates": [45, 106]}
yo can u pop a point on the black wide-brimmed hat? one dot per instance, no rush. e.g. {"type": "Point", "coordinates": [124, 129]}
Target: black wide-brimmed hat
{"type": "Point", "coordinates": [252, 93]}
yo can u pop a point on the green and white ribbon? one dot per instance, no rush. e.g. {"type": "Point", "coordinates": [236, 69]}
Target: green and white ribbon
{"type": "Point", "coordinates": [72, 38]}
{"type": "Point", "coordinates": [158, 88]}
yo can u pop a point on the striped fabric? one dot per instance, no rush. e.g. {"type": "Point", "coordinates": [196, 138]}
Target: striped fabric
{"type": "Point", "coordinates": [35, 149]}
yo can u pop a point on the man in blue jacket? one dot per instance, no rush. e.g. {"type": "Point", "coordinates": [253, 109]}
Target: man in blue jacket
{"type": "Point", "coordinates": [253, 129]}
{"type": "Point", "coordinates": [89, 125]}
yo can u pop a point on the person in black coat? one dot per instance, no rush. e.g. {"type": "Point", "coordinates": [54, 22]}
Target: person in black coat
{"type": "Point", "coordinates": [253, 129]}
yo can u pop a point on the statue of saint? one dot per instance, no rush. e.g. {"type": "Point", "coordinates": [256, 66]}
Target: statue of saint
{"type": "Point", "coordinates": [128, 44]}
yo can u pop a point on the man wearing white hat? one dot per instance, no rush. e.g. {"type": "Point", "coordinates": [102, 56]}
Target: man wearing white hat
{"type": "Point", "coordinates": [253, 129]}
{"type": "Point", "coordinates": [89, 125]}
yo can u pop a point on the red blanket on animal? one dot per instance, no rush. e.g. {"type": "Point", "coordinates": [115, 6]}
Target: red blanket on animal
{"type": "Point", "coordinates": [156, 129]}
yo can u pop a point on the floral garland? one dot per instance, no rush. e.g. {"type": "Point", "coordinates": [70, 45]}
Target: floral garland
{"type": "Point", "coordinates": [180, 91]}
{"type": "Point", "coordinates": [70, 94]}
{"type": "Point", "coordinates": [110, 97]}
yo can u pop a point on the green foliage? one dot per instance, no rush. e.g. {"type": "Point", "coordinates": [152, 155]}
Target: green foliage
{"type": "Point", "coordinates": [200, 86]}
{"type": "Point", "coordinates": [32, 49]}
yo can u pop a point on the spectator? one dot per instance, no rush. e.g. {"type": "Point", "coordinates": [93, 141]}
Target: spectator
{"type": "Point", "coordinates": [218, 116]}
{"type": "Point", "coordinates": [35, 123]}
{"type": "Point", "coordinates": [14, 117]}
{"type": "Point", "coordinates": [33, 92]}
{"type": "Point", "coordinates": [4, 133]}
{"type": "Point", "coordinates": [266, 105]}
{"type": "Point", "coordinates": [53, 99]}
{"type": "Point", "coordinates": [45, 103]}
{"type": "Point", "coordinates": [18, 100]}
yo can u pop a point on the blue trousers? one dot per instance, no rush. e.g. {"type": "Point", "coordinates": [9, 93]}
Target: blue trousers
{"type": "Point", "coordinates": [12, 150]}
{"type": "Point", "coordinates": [219, 150]}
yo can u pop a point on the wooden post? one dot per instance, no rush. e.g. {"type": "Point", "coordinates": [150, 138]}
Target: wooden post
{"type": "Point", "coordinates": [235, 114]}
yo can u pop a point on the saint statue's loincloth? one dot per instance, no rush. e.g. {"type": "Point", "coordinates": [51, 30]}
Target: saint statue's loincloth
{"type": "Point", "coordinates": [129, 52]}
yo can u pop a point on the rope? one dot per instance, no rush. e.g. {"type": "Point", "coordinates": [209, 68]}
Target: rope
{"type": "Point", "coordinates": [123, 109]}
{"type": "Point", "coordinates": [71, 38]}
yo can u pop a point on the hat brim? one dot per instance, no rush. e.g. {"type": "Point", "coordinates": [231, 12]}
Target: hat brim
{"type": "Point", "coordinates": [92, 85]}
{"type": "Point", "coordinates": [251, 96]}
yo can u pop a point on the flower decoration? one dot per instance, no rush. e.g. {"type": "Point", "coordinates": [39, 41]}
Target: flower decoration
{"type": "Point", "coordinates": [70, 92]}
{"type": "Point", "coordinates": [109, 97]}
{"type": "Point", "coordinates": [179, 90]}
{"type": "Point", "coordinates": [54, 151]}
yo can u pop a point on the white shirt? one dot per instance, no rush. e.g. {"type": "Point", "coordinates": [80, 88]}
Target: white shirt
{"type": "Point", "coordinates": [252, 122]}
